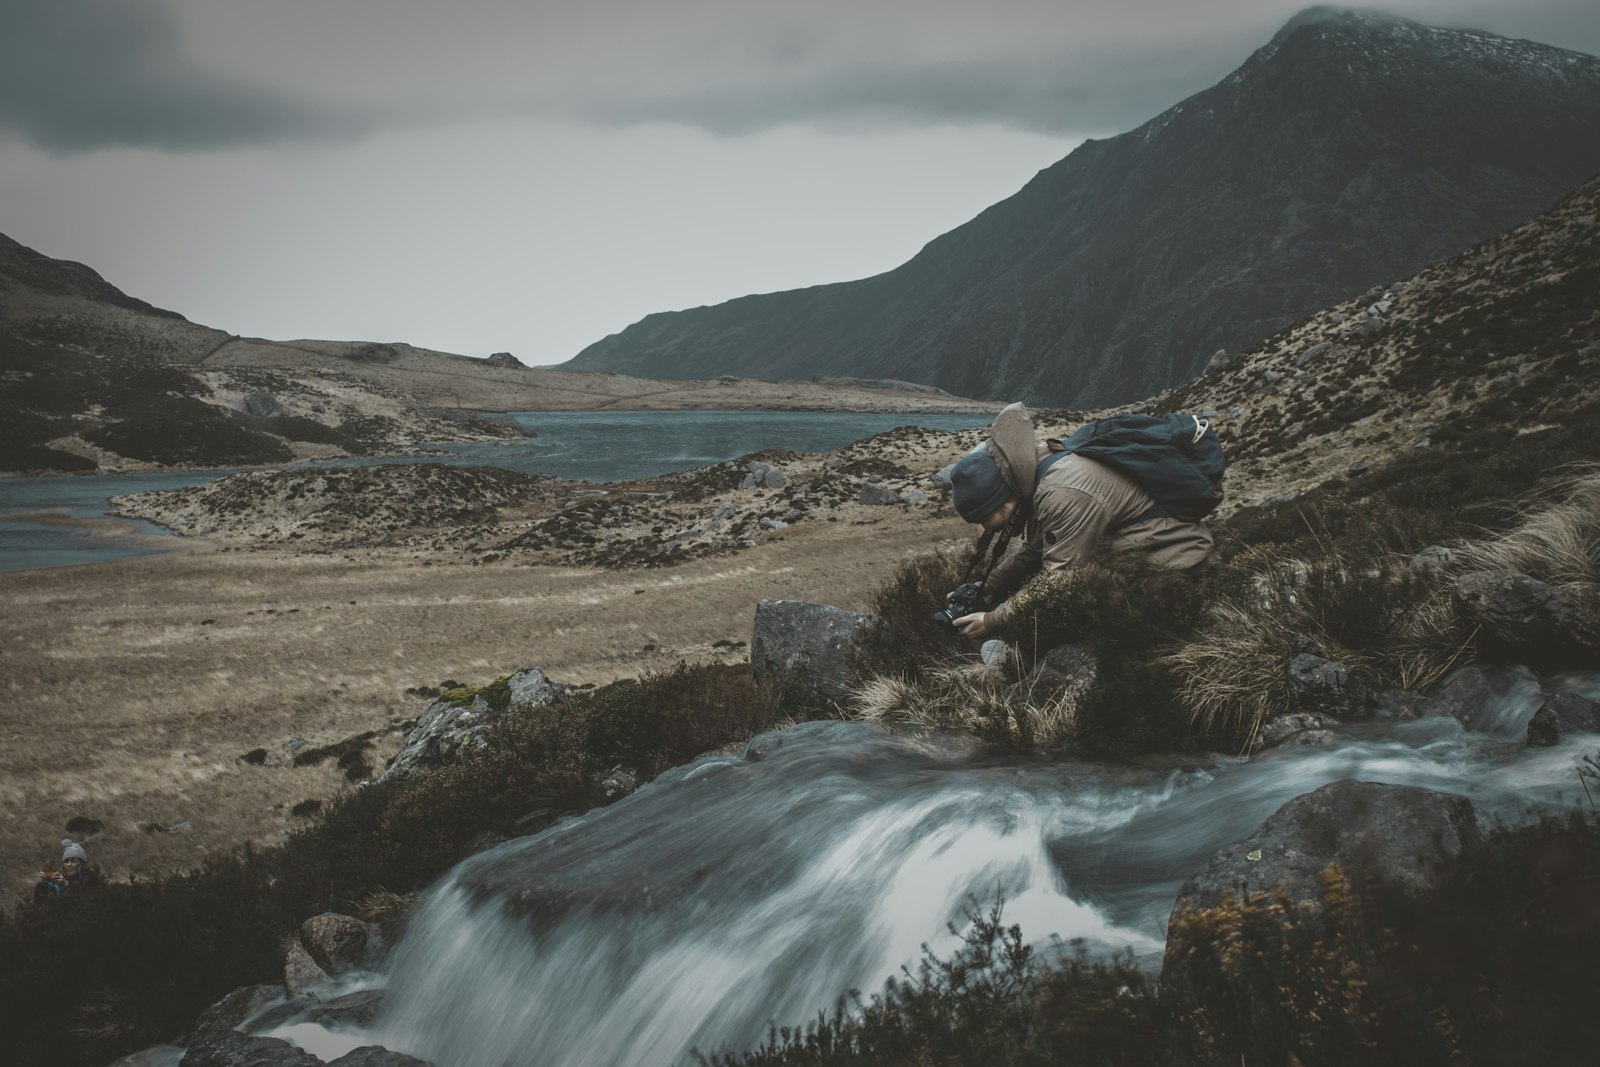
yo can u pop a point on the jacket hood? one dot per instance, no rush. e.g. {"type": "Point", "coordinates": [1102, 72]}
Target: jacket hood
{"type": "Point", "coordinates": [1015, 451]}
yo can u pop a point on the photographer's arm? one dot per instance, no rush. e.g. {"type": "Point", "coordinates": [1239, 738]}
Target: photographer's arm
{"type": "Point", "coordinates": [1070, 524]}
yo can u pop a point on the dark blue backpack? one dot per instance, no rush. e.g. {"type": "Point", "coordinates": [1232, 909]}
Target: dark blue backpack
{"type": "Point", "coordinates": [1175, 458]}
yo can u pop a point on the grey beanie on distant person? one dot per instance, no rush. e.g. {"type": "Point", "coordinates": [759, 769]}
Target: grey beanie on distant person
{"type": "Point", "coordinates": [977, 487]}
{"type": "Point", "coordinates": [71, 850]}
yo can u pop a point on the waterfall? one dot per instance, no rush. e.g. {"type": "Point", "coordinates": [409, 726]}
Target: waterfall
{"type": "Point", "coordinates": [740, 891]}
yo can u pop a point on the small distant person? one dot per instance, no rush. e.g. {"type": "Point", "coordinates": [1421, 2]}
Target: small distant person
{"type": "Point", "coordinates": [70, 879]}
{"type": "Point", "coordinates": [1062, 514]}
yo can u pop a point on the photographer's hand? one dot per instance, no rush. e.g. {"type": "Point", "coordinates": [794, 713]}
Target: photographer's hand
{"type": "Point", "coordinates": [974, 625]}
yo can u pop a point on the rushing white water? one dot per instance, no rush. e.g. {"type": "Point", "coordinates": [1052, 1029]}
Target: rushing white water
{"type": "Point", "coordinates": [740, 891]}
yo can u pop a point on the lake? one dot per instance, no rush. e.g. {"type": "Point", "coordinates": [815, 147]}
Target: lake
{"type": "Point", "coordinates": [609, 446]}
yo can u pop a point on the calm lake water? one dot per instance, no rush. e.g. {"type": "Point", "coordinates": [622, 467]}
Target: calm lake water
{"type": "Point", "coordinates": [587, 446]}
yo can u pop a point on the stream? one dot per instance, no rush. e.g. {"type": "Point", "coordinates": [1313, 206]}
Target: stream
{"type": "Point", "coordinates": [741, 890]}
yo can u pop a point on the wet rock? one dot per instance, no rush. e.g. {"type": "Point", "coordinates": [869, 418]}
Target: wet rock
{"type": "Point", "coordinates": [1323, 685]}
{"type": "Point", "coordinates": [1534, 620]}
{"type": "Point", "coordinates": [1399, 836]}
{"type": "Point", "coordinates": [1562, 714]}
{"type": "Point", "coordinates": [1477, 695]}
{"type": "Point", "coordinates": [230, 1048]}
{"type": "Point", "coordinates": [377, 1056]}
{"type": "Point", "coordinates": [337, 942]}
{"type": "Point", "coordinates": [877, 493]}
{"type": "Point", "coordinates": [801, 645]}
{"type": "Point", "coordinates": [236, 1007]}
{"type": "Point", "coordinates": [300, 971]}
{"type": "Point", "coordinates": [155, 1056]}
{"type": "Point", "coordinates": [1277, 731]}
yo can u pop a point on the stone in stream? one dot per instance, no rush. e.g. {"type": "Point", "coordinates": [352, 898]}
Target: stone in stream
{"type": "Point", "coordinates": [1322, 685]}
{"type": "Point", "coordinates": [377, 1056]}
{"type": "Point", "coordinates": [805, 646]}
{"type": "Point", "coordinates": [1561, 714]}
{"type": "Point", "coordinates": [1282, 728]}
{"type": "Point", "coordinates": [337, 942]}
{"type": "Point", "coordinates": [1474, 695]}
{"type": "Point", "coordinates": [236, 1007]}
{"type": "Point", "coordinates": [1399, 836]}
{"type": "Point", "coordinates": [300, 971]}
{"type": "Point", "coordinates": [230, 1048]}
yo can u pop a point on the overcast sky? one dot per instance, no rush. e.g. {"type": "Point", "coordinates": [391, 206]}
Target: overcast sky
{"type": "Point", "coordinates": [490, 175]}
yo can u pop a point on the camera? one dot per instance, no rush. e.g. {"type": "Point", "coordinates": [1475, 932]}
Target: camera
{"type": "Point", "coordinates": [964, 601]}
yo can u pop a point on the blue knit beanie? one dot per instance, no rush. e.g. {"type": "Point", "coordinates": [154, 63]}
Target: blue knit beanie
{"type": "Point", "coordinates": [976, 486]}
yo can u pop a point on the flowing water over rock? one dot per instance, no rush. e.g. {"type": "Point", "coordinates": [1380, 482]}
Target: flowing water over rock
{"type": "Point", "coordinates": [743, 890]}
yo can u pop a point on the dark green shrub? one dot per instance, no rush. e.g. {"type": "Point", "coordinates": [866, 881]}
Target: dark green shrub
{"type": "Point", "coordinates": [905, 640]}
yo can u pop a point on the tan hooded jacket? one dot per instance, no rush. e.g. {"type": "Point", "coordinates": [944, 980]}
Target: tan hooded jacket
{"type": "Point", "coordinates": [1078, 503]}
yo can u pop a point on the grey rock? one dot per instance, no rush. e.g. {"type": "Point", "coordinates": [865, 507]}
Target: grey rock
{"type": "Point", "coordinates": [875, 493]}
{"type": "Point", "coordinates": [1533, 620]}
{"type": "Point", "coordinates": [749, 482]}
{"type": "Point", "coordinates": [1400, 836]}
{"type": "Point", "coordinates": [1272, 375]}
{"type": "Point", "coordinates": [1312, 353]}
{"type": "Point", "coordinates": [941, 477]}
{"type": "Point", "coordinates": [833, 463]}
{"type": "Point", "coordinates": [1480, 697]}
{"type": "Point", "coordinates": [154, 1056]}
{"type": "Point", "coordinates": [1238, 411]}
{"type": "Point", "coordinates": [262, 403]}
{"type": "Point", "coordinates": [377, 1056]}
{"type": "Point", "coordinates": [1219, 359]}
{"type": "Point", "coordinates": [995, 652]}
{"type": "Point", "coordinates": [774, 478]}
{"type": "Point", "coordinates": [446, 732]}
{"type": "Point", "coordinates": [300, 971]}
{"type": "Point", "coordinates": [914, 496]}
{"type": "Point", "coordinates": [1323, 685]}
{"type": "Point", "coordinates": [236, 1007]}
{"type": "Point", "coordinates": [1278, 730]}
{"type": "Point", "coordinates": [1208, 413]}
{"type": "Point", "coordinates": [230, 1048]}
{"type": "Point", "coordinates": [617, 783]}
{"type": "Point", "coordinates": [774, 524]}
{"type": "Point", "coordinates": [1065, 674]}
{"type": "Point", "coordinates": [1562, 714]}
{"type": "Point", "coordinates": [1359, 467]}
{"type": "Point", "coordinates": [800, 645]}
{"type": "Point", "coordinates": [1434, 559]}
{"type": "Point", "coordinates": [337, 942]}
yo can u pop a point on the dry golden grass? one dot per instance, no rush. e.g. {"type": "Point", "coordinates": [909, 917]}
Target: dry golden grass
{"type": "Point", "coordinates": [1558, 539]}
{"type": "Point", "coordinates": [969, 695]}
{"type": "Point", "coordinates": [130, 690]}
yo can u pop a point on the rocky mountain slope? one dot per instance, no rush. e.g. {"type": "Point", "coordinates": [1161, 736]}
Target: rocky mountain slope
{"type": "Point", "coordinates": [1497, 345]}
{"type": "Point", "coordinates": [96, 378]}
{"type": "Point", "coordinates": [1350, 151]}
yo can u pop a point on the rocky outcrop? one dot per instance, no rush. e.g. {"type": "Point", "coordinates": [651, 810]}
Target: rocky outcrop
{"type": "Point", "coordinates": [458, 722]}
{"type": "Point", "coordinates": [798, 645]}
{"type": "Point", "coordinates": [1531, 620]}
{"type": "Point", "coordinates": [1398, 836]}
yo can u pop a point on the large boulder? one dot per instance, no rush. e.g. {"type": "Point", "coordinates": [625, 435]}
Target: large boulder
{"type": "Point", "coordinates": [337, 942]}
{"type": "Point", "coordinates": [1399, 836]}
{"type": "Point", "coordinates": [301, 973]}
{"type": "Point", "coordinates": [1562, 714]}
{"type": "Point", "coordinates": [1487, 699]}
{"type": "Point", "coordinates": [1531, 620]}
{"type": "Point", "coordinates": [455, 725]}
{"type": "Point", "coordinates": [799, 645]}
{"type": "Point", "coordinates": [230, 1048]}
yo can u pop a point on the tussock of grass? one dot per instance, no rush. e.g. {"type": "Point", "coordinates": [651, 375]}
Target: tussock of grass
{"type": "Point", "coordinates": [1558, 540]}
{"type": "Point", "coordinates": [987, 700]}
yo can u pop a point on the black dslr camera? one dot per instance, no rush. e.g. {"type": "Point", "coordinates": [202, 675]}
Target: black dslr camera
{"type": "Point", "coordinates": [964, 601]}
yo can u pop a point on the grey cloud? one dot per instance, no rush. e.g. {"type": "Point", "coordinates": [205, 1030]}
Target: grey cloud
{"type": "Point", "coordinates": [81, 74]}
{"type": "Point", "coordinates": [1092, 94]}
